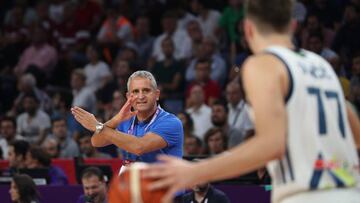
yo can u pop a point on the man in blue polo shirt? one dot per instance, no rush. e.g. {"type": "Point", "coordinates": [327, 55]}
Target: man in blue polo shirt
{"type": "Point", "coordinates": [143, 133]}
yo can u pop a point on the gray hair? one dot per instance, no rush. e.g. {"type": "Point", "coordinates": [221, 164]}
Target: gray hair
{"type": "Point", "coordinates": [142, 74]}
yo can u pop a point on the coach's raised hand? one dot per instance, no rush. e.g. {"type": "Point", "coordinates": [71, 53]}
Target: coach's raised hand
{"type": "Point", "coordinates": [86, 119]}
{"type": "Point", "coordinates": [124, 113]}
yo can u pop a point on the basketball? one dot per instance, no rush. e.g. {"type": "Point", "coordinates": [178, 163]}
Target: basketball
{"type": "Point", "coordinates": [131, 187]}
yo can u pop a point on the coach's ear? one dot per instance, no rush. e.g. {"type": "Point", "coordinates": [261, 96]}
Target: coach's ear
{"type": "Point", "coordinates": [157, 94]}
{"type": "Point", "coordinates": [127, 95]}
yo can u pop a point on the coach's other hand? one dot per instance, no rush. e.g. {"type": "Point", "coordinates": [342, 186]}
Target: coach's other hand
{"type": "Point", "coordinates": [86, 119]}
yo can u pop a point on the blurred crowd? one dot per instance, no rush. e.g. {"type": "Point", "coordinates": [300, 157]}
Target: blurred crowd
{"type": "Point", "coordinates": [60, 53]}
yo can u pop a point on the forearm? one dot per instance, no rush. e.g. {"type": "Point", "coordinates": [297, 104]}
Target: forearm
{"type": "Point", "coordinates": [112, 123]}
{"type": "Point", "coordinates": [124, 141]}
{"type": "Point", "coordinates": [248, 158]}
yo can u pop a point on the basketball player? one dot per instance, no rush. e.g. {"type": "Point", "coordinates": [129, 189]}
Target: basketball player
{"type": "Point", "coordinates": [304, 130]}
{"type": "Point", "coordinates": [142, 134]}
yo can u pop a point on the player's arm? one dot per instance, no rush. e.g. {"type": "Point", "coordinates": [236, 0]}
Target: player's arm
{"type": "Point", "coordinates": [354, 125]}
{"type": "Point", "coordinates": [265, 83]}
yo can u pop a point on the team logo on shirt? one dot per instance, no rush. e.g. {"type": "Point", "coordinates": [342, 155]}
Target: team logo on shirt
{"type": "Point", "coordinates": [342, 173]}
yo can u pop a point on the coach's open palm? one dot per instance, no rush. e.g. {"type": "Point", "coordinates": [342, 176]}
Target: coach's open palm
{"type": "Point", "coordinates": [86, 119]}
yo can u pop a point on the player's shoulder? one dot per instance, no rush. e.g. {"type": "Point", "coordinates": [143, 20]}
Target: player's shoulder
{"type": "Point", "coordinates": [264, 63]}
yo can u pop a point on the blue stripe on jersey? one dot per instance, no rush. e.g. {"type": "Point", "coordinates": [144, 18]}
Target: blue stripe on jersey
{"type": "Point", "coordinates": [291, 80]}
{"type": "Point", "coordinates": [330, 94]}
{"type": "Point", "coordinates": [315, 179]}
{"type": "Point", "coordinates": [288, 160]}
{"type": "Point", "coordinates": [282, 171]}
{"type": "Point", "coordinates": [338, 181]}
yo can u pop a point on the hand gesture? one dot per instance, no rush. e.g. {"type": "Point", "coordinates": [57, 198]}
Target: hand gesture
{"type": "Point", "coordinates": [86, 119]}
{"type": "Point", "coordinates": [124, 113]}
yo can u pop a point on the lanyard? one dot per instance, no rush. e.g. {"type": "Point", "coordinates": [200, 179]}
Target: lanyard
{"type": "Point", "coordinates": [132, 127]}
{"type": "Point", "coordinates": [131, 131]}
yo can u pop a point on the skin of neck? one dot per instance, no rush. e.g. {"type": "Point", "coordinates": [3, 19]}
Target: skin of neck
{"type": "Point", "coordinates": [143, 115]}
{"type": "Point", "coordinates": [263, 42]}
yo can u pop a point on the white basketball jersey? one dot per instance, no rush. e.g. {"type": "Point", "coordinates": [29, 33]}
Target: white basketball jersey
{"type": "Point", "coordinates": [321, 152]}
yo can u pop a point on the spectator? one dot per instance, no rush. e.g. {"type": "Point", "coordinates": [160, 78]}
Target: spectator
{"type": "Point", "coordinates": [168, 73]}
{"type": "Point", "coordinates": [315, 43]}
{"type": "Point", "coordinates": [51, 147]}
{"type": "Point", "coordinates": [120, 72]}
{"type": "Point", "coordinates": [208, 18]}
{"type": "Point", "coordinates": [219, 118]}
{"type": "Point", "coordinates": [66, 28]}
{"type": "Point", "coordinates": [87, 16]}
{"type": "Point", "coordinates": [82, 96]}
{"type": "Point", "coordinates": [43, 20]}
{"type": "Point", "coordinates": [97, 72]}
{"type": "Point", "coordinates": [182, 42]}
{"type": "Point", "coordinates": [202, 77]}
{"type": "Point", "coordinates": [17, 154]}
{"type": "Point", "coordinates": [232, 14]}
{"type": "Point", "coordinates": [143, 40]}
{"type": "Point", "coordinates": [39, 58]}
{"type": "Point", "coordinates": [7, 134]}
{"type": "Point", "coordinates": [187, 123]}
{"type": "Point", "coordinates": [23, 189]}
{"type": "Point", "coordinates": [118, 100]}
{"type": "Point", "coordinates": [33, 123]}
{"type": "Point", "coordinates": [27, 84]}
{"type": "Point", "coordinates": [67, 145]}
{"type": "Point", "coordinates": [36, 157]}
{"type": "Point", "coordinates": [314, 26]}
{"type": "Point", "coordinates": [15, 37]}
{"type": "Point", "coordinates": [94, 186]}
{"type": "Point", "coordinates": [192, 146]}
{"type": "Point", "coordinates": [205, 193]}
{"type": "Point", "coordinates": [346, 41]}
{"type": "Point", "coordinates": [199, 111]}
{"type": "Point", "coordinates": [215, 141]}
{"type": "Point", "coordinates": [238, 116]}
{"type": "Point", "coordinates": [208, 52]}
{"type": "Point", "coordinates": [115, 30]}
{"type": "Point", "coordinates": [323, 9]}
{"type": "Point", "coordinates": [196, 36]}
{"type": "Point", "coordinates": [87, 150]}
{"type": "Point", "coordinates": [57, 8]}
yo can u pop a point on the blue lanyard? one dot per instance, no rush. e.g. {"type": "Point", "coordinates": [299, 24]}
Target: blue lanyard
{"type": "Point", "coordinates": [132, 127]}
{"type": "Point", "coordinates": [131, 131]}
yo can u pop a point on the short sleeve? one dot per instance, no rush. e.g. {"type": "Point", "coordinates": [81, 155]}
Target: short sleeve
{"type": "Point", "coordinates": [170, 129]}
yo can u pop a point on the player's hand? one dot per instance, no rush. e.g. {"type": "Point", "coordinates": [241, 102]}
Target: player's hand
{"type": "Point", "coordinates": [125, 112]}
{"type": "Point", "coordinates": [172, 173]}
{"type": "Point", "coordinates": [86, 119]}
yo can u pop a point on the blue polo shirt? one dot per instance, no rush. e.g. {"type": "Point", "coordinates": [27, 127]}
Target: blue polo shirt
{"type": "Point", "coordinates": [166, 125]}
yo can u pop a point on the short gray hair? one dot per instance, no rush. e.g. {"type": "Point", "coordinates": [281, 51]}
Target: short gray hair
{"type": "Point", "coordinates": [142, 74]}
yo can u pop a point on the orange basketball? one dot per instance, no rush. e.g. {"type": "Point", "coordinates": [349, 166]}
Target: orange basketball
{"type": "Point", "coordinates": [131, 187]}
